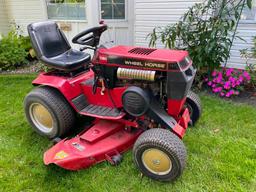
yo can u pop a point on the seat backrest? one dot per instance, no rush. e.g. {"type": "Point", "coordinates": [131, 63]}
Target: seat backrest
{"type": "Point", "coordinates": [47, 39]}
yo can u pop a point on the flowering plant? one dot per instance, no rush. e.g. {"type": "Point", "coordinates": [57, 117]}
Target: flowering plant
{"type": "Point", "coordinates": [228, 81]}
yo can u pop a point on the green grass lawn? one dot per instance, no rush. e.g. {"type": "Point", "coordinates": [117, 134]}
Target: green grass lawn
{"type": "Point", "coordinates": [221, 152]}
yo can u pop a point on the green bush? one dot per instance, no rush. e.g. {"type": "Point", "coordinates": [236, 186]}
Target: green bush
{"type": "Point", "coordinates": [14, 50]}
{"type": "Point", "coordinates": [205, 31]}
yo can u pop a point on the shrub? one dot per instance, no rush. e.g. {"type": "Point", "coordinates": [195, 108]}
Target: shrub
{"type": "Point", "coordinates": [205, 31]}
{"type": "Point", "coordinates": [228, 81]}
{"type": "Point", "coordinates": [14, 50]}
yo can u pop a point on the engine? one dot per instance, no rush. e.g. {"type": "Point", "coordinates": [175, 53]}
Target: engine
{"type": "Point", "coordinates": [167, 73]}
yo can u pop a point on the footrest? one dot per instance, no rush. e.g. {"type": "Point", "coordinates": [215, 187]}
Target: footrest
{"type": "Point", "coordinates": [102, 112]}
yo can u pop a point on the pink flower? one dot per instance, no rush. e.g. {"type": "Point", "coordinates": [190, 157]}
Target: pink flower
{"type": "Point", "coordinates": [228, 95]}
{"type": "Point", "coordinates": [227, 82]}
{"type": "Point", "coordinates": [232, 79]}
{"type": "Point", "coordinates": [238, 83]}
{"type": "Point", "coordinates": [214, 73]}
{"type": "Point", "coordinates": [229, 72]}
{"type": "Point", "coordinates": [227, 85]}
{"type": "Point", "coordinates": [219, 79]}
{"type": "Point", "coordinates": [231, 92]}
{"type": "Point", "coordinates": [217, 89]}
{"type": "Point", "coordinates": [241, 79]}
{"type": "Point", "coordinates": [246, 76]}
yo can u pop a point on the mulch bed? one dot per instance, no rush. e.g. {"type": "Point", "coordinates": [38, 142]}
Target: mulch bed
{"type": "Point", "coordinates": [32, 67]}
{"type": "Point", "coordinates": [245, 97]}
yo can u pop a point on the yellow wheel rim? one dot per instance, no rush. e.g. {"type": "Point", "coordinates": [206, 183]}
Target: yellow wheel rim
{"type": "Point", "coordinates": [156, 161]}
{"type": "Point", "coordinates": [41, 117]}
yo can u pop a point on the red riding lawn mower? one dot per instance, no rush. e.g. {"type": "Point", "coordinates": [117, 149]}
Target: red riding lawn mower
{"type": "Point", "coordinates": [137, 97]}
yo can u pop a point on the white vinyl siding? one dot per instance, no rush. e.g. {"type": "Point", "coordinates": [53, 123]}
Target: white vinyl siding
{"type": "Point", "coordinates": [245, 31]}
{"type": "Point", "coordinates": [4, 22]}
{"type": "Point", "coordinates": [24, 12]}
{"type": "Point", "coordinates": [150, 14]}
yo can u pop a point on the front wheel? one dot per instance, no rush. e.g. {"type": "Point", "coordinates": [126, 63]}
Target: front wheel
{"type": "Point", "coordinates": [48, 112]}
{"type": "Point", "coordinates": [160, 155]}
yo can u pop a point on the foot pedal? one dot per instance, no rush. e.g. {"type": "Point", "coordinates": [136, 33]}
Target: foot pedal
{"type": "Point", "coordinates": [102, 112]}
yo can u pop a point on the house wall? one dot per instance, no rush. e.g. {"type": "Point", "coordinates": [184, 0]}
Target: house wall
{"type": "Point", "coordinates": [150, 14]}
{"type": "Point", "coordinates": [24, 12]}
{"type": "Point", "coordinates": [4, 23]}
{"type": "Point", "coordinates": [245, 31]}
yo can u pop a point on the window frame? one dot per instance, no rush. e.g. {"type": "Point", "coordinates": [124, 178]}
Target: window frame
{"type": "Point", "coordinates": [68, 20]}
{"type": "Point", "coordinates": [115, 20]}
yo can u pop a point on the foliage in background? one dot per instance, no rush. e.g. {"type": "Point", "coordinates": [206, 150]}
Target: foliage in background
{"type": "Point", "coordinates": [250, 66]}
{"type": "Point", "coordinates": [204, 30]}
{"type": "Point", "coordinates": [14, 49]}
{"type": "Point", "coordinates": [228, 82]}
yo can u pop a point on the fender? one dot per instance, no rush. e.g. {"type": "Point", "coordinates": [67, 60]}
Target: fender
{"type": "Point", "coordinates": [68, 87]}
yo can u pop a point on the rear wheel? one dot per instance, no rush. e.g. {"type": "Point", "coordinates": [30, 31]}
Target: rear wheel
{"type": "Point", "coordinates": [193, 103]}
{"type": "Point", "coordinates": [160, 155]}
{"type": "Point", "coordinates": [48, 112]}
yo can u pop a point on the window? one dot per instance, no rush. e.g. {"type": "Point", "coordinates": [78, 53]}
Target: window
{"type": "Point", "coordinates": [249, 14]}
{"type": "Point", "coordinates": [113, 9]}
{"type": "Point", "coordinates": [66, 9]}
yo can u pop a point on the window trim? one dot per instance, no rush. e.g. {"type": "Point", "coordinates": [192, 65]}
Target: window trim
{"type": "Point", "coordinates": [115, 20]}
{"type": "Point", "coordinates": [68, 20]}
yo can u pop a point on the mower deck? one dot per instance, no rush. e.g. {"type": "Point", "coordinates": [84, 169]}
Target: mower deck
{"type": "Point", "coordinates": [102, 141]}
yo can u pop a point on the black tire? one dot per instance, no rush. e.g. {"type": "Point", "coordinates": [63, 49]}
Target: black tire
{"type": "Point", "coordinates": [160, 140]}
{"type": "Point", "coordinates": [62, 115]}
{"type": "Point", "coordinates": [193, 103]}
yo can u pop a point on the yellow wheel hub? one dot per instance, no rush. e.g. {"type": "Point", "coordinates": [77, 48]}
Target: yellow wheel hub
{"type": "Point", "coordinates": [41, 117]}
{"type": "Point", "coordinates": [156, 161]}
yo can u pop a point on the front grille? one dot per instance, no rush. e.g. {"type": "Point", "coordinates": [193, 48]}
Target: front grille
{"type": "Point", "coordinates": [141, 51]}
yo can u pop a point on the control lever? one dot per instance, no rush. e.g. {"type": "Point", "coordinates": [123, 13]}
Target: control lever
{"type": "Point", "coordinates": [95, 83]}
{"type": "Point", "coordinates": [87, 47]}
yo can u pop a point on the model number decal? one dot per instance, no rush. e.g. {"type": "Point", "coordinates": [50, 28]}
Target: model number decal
{"type": "Point", "coordinates": [155, 65]}
{"type": "Point", "coordinates": [145, 64]}
{"type": "Point", "coordinates": [137, 63]}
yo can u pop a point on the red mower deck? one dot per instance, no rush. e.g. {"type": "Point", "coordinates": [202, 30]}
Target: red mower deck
{"type": "Point", "coordinates": [102, 141]}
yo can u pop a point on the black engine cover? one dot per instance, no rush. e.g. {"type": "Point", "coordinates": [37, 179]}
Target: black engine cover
{"type": "Point", "coordinates": [138, 102]}
{"type": "Point", "coordinates": [135, 101]}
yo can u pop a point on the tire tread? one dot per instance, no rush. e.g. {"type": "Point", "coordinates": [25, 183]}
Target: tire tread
{"type": "Point", "coordinates": [166, 140]}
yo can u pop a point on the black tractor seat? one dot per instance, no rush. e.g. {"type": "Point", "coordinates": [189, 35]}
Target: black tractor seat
{"type": "Point", "coordinates": [70, 60]}
{"type": "Point", "coordinates": [53, 49]}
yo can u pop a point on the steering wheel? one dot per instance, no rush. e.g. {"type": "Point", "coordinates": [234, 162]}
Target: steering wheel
{"type": "Point", "coordinates": [90, 37]}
